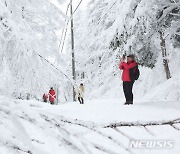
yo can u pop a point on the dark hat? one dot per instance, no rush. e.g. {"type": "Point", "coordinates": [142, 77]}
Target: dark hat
{"type": "Point", "coordinates": [131, 56]}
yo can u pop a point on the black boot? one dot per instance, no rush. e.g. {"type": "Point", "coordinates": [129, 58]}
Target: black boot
{"type": "Point", "coordinates": [128, 103]}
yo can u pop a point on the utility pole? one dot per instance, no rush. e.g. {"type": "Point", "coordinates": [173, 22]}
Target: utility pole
{"type": "Point", "coordinates": [72, 47]}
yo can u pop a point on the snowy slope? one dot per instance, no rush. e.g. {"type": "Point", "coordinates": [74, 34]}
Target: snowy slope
{"type": "Point", "coordinates": [37, 128]}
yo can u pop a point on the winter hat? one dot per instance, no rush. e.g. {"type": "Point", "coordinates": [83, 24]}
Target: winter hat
{"type": "Point", "coordinates": [131, 56]}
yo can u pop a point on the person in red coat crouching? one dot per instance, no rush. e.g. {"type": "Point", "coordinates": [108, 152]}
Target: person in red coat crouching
{"type": "Point", "coordinates": [45, 97]}
{"type": "Point", "coordinates": [128, 77]}
{"type": "Point", "coordinates": [52, 95]}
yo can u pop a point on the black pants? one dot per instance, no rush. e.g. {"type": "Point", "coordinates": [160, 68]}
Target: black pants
{"type": "Point", "coordinates": [81, 100]}
{"type": "Point", "coordinates": [127, 88]}
{"type": "Point", "coordinates": [52, 103]}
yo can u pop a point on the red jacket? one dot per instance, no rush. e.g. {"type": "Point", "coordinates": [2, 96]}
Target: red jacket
{"type": "Point", "coordinates": [52, 95]}
{"type": "Point", "coordinates": [126, 67]}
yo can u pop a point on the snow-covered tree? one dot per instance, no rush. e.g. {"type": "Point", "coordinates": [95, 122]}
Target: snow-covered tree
{"type": "Point", "coordinates": [118, 27]}
{"type": "Point", "coordinates": [28, 36]}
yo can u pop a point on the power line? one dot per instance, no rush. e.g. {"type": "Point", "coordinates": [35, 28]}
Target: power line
{"type": "Point", "coordinates": [64, 38]}
{"type": "Point", "coordinates": [64, 28]}
{"type": "Point", "coordinates": [59, 71]}
{"type": "Point", "coordinates": [52, 65]}
{"type": "Point", "coordinates": [77, 6]}
{"type": "Point", "coordinates": [67, 25]}
{"type": "Point", "coordinates": [99, 20]}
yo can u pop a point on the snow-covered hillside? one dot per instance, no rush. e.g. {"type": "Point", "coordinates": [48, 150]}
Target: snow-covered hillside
{"type": "Point", "coordinates": [37, 128]}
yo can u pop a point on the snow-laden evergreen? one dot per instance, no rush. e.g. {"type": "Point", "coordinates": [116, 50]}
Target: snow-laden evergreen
{"type": "Point", "coordinates": [127, 26]}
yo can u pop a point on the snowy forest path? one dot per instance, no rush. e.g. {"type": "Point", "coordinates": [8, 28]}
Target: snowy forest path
{"type": "Point", "coordinates": [97, 127]}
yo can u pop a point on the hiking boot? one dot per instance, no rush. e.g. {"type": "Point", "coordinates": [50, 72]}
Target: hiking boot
{"type": "Point", "coordinates": [128, 103]}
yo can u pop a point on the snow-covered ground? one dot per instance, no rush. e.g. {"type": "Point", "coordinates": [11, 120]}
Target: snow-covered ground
{"type": "Point", "coordinates": [38, 128]}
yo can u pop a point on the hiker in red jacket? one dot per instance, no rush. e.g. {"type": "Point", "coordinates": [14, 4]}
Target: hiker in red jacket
{"type": "Point", "coordinates": [128, 77]}
{"type": "Point", "coordinates": [52, 95]}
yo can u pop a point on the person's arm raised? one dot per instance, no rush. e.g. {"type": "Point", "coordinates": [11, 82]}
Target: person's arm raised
{"type": "Point", "coordinates": [126, 66]}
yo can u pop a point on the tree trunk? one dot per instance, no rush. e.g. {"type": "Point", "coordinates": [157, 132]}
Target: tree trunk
{"type": "Point", "coordinates": [164, 55]}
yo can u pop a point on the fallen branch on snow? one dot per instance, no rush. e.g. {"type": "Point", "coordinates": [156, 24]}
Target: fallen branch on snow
{"type": "Point", "coordinates": [143, 124]}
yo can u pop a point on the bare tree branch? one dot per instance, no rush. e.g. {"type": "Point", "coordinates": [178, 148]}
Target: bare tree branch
{"type": "Point", "coordinates": [143, 124]}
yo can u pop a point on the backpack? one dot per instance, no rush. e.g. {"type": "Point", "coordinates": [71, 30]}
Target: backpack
{"type": "Point", "coordinates": [136, 73]}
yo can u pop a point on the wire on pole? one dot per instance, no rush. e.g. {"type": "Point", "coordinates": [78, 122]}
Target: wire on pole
{"type": "Point", "coordinates": [99, 20]}
{"type": "Point", "coordinates": [67, 25]}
